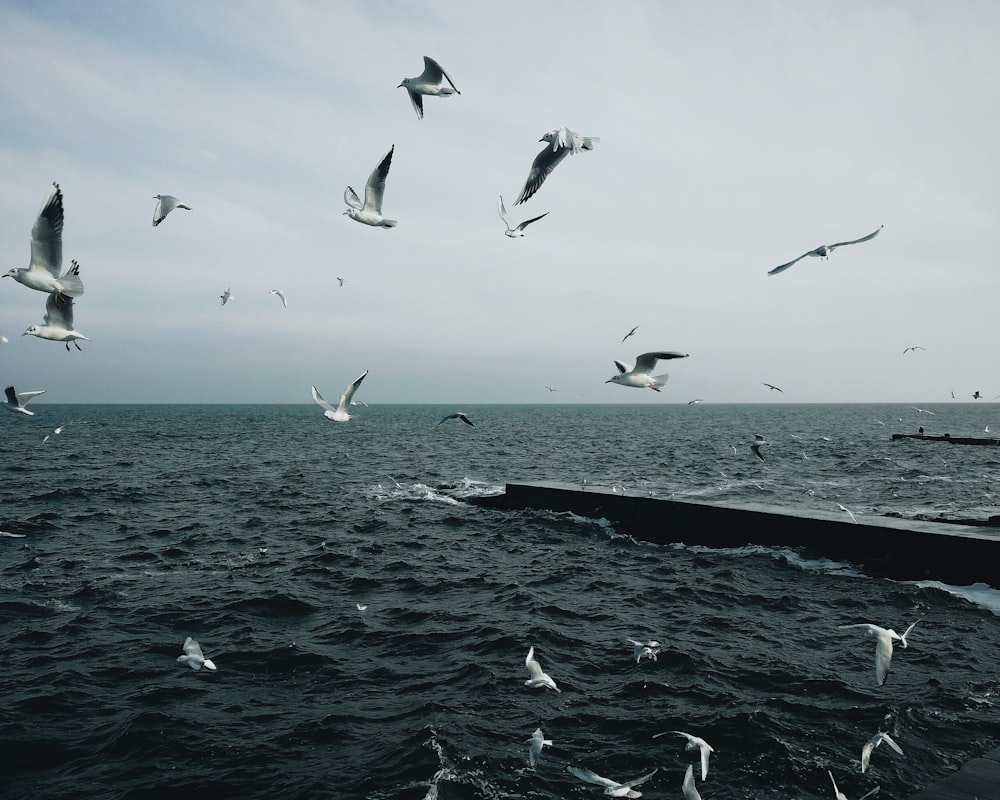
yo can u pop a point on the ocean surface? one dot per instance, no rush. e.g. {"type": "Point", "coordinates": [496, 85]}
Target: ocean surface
{"type": "Point", "coordinates": [259, 530]}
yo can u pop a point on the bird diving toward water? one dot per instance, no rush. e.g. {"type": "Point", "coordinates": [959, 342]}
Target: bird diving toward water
{"type": "Point", "coordinates": [339, 414]}
{"type": "Point", "coordinates": [562, 142]}
{"type": "Point", "coordinates": [514, 232]}
{"type": "Point", "coordinates": [165, 203]}
{"type": "Point", "coordinates": [639, 376]}
{"type": "Point", "coordinates": [429, 82]}
{"type": "Point", "coordinates": [823, 251]}
{"type": "Point", "coordinates": [42, 272]}
{"type": "Point", "coordinates": [57, 324]}
{"type": "Point", "coordinates": [370, 212]}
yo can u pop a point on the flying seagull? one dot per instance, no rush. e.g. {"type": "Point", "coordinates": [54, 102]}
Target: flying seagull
{"type": "Point", "coordinates": [848, 512]}
{"type": "Point", "coordinates": [339, 414]}
{"type": "Point", "coordinates": [694, 743]}
{"type": "Point", "coordinates": [42, 272]}
{"type": "Point", "coordinates": [281, 294]}
{"type": "Point", "coordinates": [370, 213]}
{"type": "Point", "coordinates": [563, 141]}
{"type": "Point", "coordinates": [915, 347]}
{"type": "Point", "coordinates": [841, 796]}
{"type": "Point", "coordinates": [639, 376]}
{"type": "Point", "coordinates": [688, 787]}
{"type": "Point", "coordinates": [164, 205]}
{"type": "Point", "coordinates": [883, 646]}
{"type": "Point", "coordinates": [57, 324]}
{"type": "Point", "coordinates": [514, 232]}
{"type": "Point", "coordinates": [823, 251]}
{"type": "Point", "coordinates": [773, 388]}
{"type": "Point", "coordinates": [642, 650]}
{"type": "Point", "coordinates": [16, 402]}
{"type": "Point", "coordinates": [226, 296]}
{"type": "Point", "coordinates": [756, 444]}
{"type": "Point", "coordinates": [611, 788]}
{"type": "Point", "coordinates": [976, 395]}
{"type": "Point", "coordinates": [430, 82]}
{"type": "Point", "coordinates": [194, 657]}
{"type": "Point", "coordinates": [537, 742]}
{"type": "Point", "coordinates": [538, 679]}
{"type": "Point", "coordinates": [875, 741]}
{"type": "Point", "coordinates": [341, 282]}
{"type": "Point", "coordinates": [630, 333]}
{"type": "Point", "coordinates": [458, 415]}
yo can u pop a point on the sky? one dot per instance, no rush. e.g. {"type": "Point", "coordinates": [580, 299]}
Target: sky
{"type": "Point", "coordinates": [734, 136]}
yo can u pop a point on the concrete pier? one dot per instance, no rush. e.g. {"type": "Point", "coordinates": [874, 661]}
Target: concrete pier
{"type": "Point", "coordinates": [958, 554]}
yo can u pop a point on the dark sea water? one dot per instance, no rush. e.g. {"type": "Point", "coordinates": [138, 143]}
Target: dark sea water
{"type": "Point", "coordinates": [143, 525]}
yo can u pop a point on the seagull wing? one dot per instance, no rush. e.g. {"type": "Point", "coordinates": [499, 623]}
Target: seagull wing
{"type": "Point", "coordinates": [352, 199]}
{"type": "Point", "coordinates": [622, 368]}
{"type": "Point", "coordinates": [23, 398]}
{"type": "Point", "coordinates": [192, 648]}
{"type": "Point", "coordinates": [688, 787]}
{"type": "Point", "coordinates": [319, 399]}
{"type": "Point", "coordinates": [46, 235]}
{"type": "Point", "coordinates": [434, 72]}
{"type": "Point", "coordinates": [871, 235]}
{"type": "Point", "coordinates": [783, 267]}
{"type": "Point", "coordinates": [503, 213]}
{"type": "Point", "coordinates": [59, 314]}
{"type": "Point", "coordinates": [466, 420]}
{"type": "Point", "coordinates": [345, 398]}
{"type": "Point", "coordinates": [418, 103]}
{"type": "Point", "coordinates": [375, 187]}
{"type": "Point", "coordinates": [885, 737]}
{"type": "Point", "coordinates": [646, 361]}
{"type": "Point", "coordinates": [638, 781]}
{"type": "Point", "coordinates": [541, 167]}
{"type": "Point", "coordinates": [527, 222]}
{"type": "Point", "coordinates": [592, 777]}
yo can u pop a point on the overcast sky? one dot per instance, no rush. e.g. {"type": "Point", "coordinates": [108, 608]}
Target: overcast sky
{"type": "Point", "coordinates": [734, 137]}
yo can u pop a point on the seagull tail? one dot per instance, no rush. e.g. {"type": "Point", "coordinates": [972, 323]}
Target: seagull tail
{"type": "Point", "coordinates": [389, 223]}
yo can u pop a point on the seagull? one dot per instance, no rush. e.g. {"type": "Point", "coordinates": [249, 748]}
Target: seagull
{"type": "Point", "coordinates": [849, 512]}
{"type": "Point", "coordinates": [458, 415]}
{"type": "Point", "coordinates": [694, 743]}
{"type": "Point", "coordinates": [756, 444]}
{"type": "Point", "coordinates": [976, 395]}
{"type": "Point", "coordinates": [883, 646]}
{"type": "Point", "coordinates": [563, 141]}
{"type": "Point", "coordinates": [281, 294]}
{"type": "Point", "coordinates": [923, 411]}
{"type": "Point", "coordinates": [823, 251]}
{"type": "Point", "coordinates": [693, 402]}
{"type": "Point", "coordinates": [226, 296]}
{"type": "Point", "coordinates": [773, 388]}
{"type": "Point", "coordinates": [16, 402]}
{"type": "Point", "coordinates": [165, 204]}
{"type": "Point", "coordinates": [915, 347]}
{"type": "Point", "coordinates": [551, 389]}
{"type": "Point", "coordinates": [339, 414]}
{"type": "Point", "coordinates": [193, 656]}
{"type": "Point", "coordinates": [341, 282]}
{"type": "Point", "coordinates": [639, 376]}
{"type": "Point", "coordinates": [538, 678]}
{"type": "Point", "coordinates": [512, 232]}
{"type": "Point", "coordinates": [688, 787]}
{"type": "Point", "coordinates": [370, 213]}
{"type": "Point", "coordinates": [612, 788]}
{"type": "Point", "coordinates": [630, 333]}
{"type": "Point", "coordinates": [841, 796]}
{"type": "Point", "coordinates": [644, 649]}
{"type": "Point", "coordinates": [538, 741]}
{"type": "Point", "coordinates": [3, 339]}
{"type": "Point", "coordinates": [875, 741]}
{"type": "Point", "coordinates": [431, 82]}
{"type": "Point", "coordinates": [56, 432]}
{"type": "Point", "coordinates": [42, 272]}
{"type": "Point", "coordinates": [362, 608]}
{"type": "Point", "coordinates": [57, 324]}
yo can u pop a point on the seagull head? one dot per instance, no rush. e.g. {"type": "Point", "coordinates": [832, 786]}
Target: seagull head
{"type": "Point", "coordinates": [33, 330]}
{"type": "Point", "coordinates": [10, 274]}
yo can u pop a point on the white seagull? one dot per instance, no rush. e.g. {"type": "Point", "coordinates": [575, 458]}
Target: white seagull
{"type": "Point", "coordinates": [512, 231]}
{"type": "Point", "coordinates": [538, 678]}
{"type": "Point", "coordinates": [16, 401]}
{"type": "Point", "coordinates": [193, 656]}
{"type": "Point", "coordinates": [370, 212]}
{"type": "Point", "coordinates": [694, 743]}
{"type": "Point", "coordinates": [226, 296]}
{"type": "Point", "coordinates": [643, 650]}
{"type": "Point", "coordinates": [339, 414]}
{"type": "Point", "coordinates": [42, 272]}
{"type": "Point", "coordinates": [562, 142]}
{"type": "Point", "coordinates": [458, 415]}
{"type": "Point", "coordinates": [823, 251]}
{"type": "Point", "coordinates": [849, 512]}
{"type": "Point", "coordinates": [165, 203]}
{"type": "Point", "coordinates": [915, 347]}
{"type": "Point", "coordinates": [841, 796]}
{"type": "Point", "coordinates": [430, 82]}
{"type": "Point", "coordinates": [281, 294]}
{"type": "Point", "coordinates": [639, 376]}
{"type": "Point", "coordinates": [875, 741]}
{"type": "Point", "coordinates": [537, 742]}
{"type": "Point", "coordinates": [611, 788]}
{"type": "Point", "coordinates": [758, 442]}
{"type": "Point", "coordinates": [688, 787]}
{"type": "Point", "coordinates": [883, 646]}
{"type": "Point", "coordinates": [57, 324]}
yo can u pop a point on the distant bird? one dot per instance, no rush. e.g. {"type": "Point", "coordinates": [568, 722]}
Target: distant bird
{"type": "Point", "coordinates": [281, 294]}
{"type": "Point", "coordinates": [3, 339]}
{"type": "Point", "coordinates": [429, 82]}
{"type": "Point", "coordinates": [339, 414]}
{"type": "Point", "coordinates": [341, 282]}
{"type": "Point", "coordinates": [884, 637]}
{"type": "Point", "coordinates": [562, 142]}
{"type": "Point", "coordinates": [923, 411]}
{"type": "Point", "coordinates": [611, 788]}
{"type": "Point", "coordinates": [692, 402]}
{"type": "Point", "coordinates": [370, 212]}
{"type": "Point", "coordinates": [551, 389]}
{"type": "Point", "coordinates": [639, 377]}
{"type": "Point", "coordinates": [641, 650]}
{"type": "Point", "coordinates": [57, 324]}
{"type": "Point", "coordinates": [875, 741]}
{"type": "Point", "coordinates": [976, 395]}
{"type": "Point", "coordinates": [688, 787]}
{"type": "Point", "coordinates": [848, 511]}
{"type": "Point", "coordinates": [458, 415]}
{"type": "Point", "coordinates": [16, 402]}
{"type": "Point", "coordinates": [538, 679]}
{"type": "Point", "coordinates": [630, 333]}
{"type": "Point", "coordinates": [42, 272]}
{"type": "Point", "coordinates": [57, 432]}
{"type": "Point", "coordinates": [512, 231]}
{"type": "Point", "coordinates": [694, 743]}
{"type": "Point", "coordinates": [165, 204]}
{"type": "Point", "coordinates": [226, 296]}
{"type": "Point", "coordinates": [537, 742]}
{"type": "Point", "coordinates": [823, 251]}
{"type": "Point", "coordinates": [841, 796]}
{"type": "Point", "coordinates": [194, 657]}
{"type": "Point", "coordinates": [362, 608]}
{"type": "Point", "coordinates": [756, 444]}
{"type": "Point", "coordinates": [915, 347]}
{"type": "Point", "coordinates": [262, 551]}
{"type": "Point", "coordinates": [773, 388]}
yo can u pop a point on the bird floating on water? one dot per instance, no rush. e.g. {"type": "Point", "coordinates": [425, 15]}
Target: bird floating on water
{"type": "Point", "coordinates": [561, 142]}
{"type": "Point", "coordinates": [823, 251]}
{"type": "Point", "coordinates": [16, 401]}
{"type": "Point", "coordinates": [639, 377]}
{"type": "Point", "coordinates": [370, 212]}
{"type": "Point", "coordinates": [339, 414]}
{"type": "Point", "coordinates": [164, 205]}
{"type": "Point", "coordinates": [429, 82]}
{"type": "Point", "coordinates": [514, 232]}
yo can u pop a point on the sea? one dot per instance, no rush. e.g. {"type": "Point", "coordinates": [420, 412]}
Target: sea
{"type": "Point", "coordinates": [369, 622]}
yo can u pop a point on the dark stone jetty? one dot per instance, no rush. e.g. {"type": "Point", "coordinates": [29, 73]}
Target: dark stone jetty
{"type": "Point", "coordinates": [979, 778]}
{"type": "Point", "coordinates": [903, 549]}
{"type": "Point", "coordinates": [946, 437]}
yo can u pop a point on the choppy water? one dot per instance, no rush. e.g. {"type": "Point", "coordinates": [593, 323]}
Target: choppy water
{"type": "Point", "coordinates": [143, 525]}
